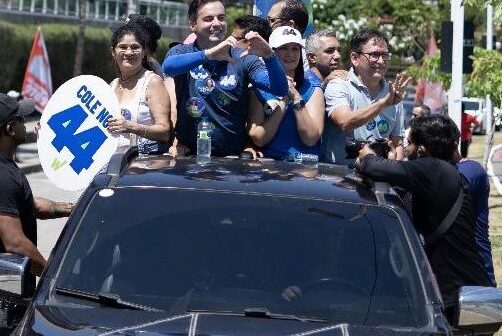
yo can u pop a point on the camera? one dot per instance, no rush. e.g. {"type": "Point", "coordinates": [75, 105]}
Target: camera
{"type": "Point", "coordinates": [379, 146]}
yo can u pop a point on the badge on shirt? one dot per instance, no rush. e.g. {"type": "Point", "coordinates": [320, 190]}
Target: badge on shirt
{"type": "Point", "coordinates": [205, 86]}
{"type": "Point", "coordinates": [383, 126]}
{"type": "Point", "coordinates": [126, 114]}
{"type": "Point", "coordinates": [195, 107]}
{"type": "Point", "coordinates": [199, 73]}
{"type": "Point", "coordinates": [371, 125]}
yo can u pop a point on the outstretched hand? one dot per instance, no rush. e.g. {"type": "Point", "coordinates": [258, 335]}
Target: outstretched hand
{"type": "Point", "coordinates": [397, 87]}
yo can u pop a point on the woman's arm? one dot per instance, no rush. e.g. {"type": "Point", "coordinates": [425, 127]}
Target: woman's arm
{"type": "Point", "coordinates": [310, 118]}
{"type": "Point", "coordinates": [262, 129]}
{"type": "Point", "coordinates": [160, 109]}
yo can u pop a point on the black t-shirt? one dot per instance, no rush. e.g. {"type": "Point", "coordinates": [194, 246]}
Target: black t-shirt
{"type": "Point", "coordinates": [434, 185]}
{"type": "Point", "coordinates": [16, 198]}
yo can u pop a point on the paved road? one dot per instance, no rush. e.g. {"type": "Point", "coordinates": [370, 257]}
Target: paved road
{"type": "Point", "coordinates": [49, 230]}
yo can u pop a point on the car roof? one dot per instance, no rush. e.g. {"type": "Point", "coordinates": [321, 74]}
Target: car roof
{"type": "Point", "coordinates": [265, 176]}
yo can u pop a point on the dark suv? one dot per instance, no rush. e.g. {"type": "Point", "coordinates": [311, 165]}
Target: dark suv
{"type": "Point", "coordinates": [163, 246]}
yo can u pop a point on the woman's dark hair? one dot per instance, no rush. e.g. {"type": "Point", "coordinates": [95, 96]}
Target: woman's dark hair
{"type": "Point", "coordinates": [134, 29]}
{"type": "Point", "coordinates": [140, 34]}
{"type": "Point", "coordinates": [299, 73]}
{"type": "Point", "coordinates": [436, 134]}
{"type": "Point", "coordinates": [150, 25]}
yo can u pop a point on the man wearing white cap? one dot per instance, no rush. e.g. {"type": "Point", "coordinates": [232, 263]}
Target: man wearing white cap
{"type": "Point", "coordinates": [294, 123]}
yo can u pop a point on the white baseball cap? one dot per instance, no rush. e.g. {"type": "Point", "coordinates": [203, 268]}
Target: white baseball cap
{"type": "Point", "coordinates": [284, 35]}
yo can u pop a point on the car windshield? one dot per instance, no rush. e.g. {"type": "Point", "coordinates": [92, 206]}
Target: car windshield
{"type": "Point", "coordinates": [191, 250]}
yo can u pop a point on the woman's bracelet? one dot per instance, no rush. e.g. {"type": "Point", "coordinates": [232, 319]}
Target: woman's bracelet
{"type": "Point", "coordinates": [144, 131]}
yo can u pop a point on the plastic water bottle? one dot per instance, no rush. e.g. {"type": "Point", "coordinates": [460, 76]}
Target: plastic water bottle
{"type": "Point", "coordinates": [204, 138]}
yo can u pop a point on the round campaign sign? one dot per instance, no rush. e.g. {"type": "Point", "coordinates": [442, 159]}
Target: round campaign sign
{"type": "Point", "coordinates": [74, 143]}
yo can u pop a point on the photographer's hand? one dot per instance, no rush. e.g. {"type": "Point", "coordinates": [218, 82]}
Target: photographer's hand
{"type": "Point", "coordinates": [366, 150]}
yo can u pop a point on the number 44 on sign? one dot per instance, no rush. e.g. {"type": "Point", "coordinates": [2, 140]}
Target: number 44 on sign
{"type": "Point", "coordinates": [73, 130]}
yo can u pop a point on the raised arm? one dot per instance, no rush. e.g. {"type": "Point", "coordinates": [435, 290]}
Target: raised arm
{"type": "Point", "coordinates": [340, 112]}
{"type": "Point", "coordinates": [272, 80]}
{"type": "Point", "coordinates": [261, 128]}
{"type": "Point", "coordinates": [310, 118]}
{"type": "Point", "coordinates": [177, 64]}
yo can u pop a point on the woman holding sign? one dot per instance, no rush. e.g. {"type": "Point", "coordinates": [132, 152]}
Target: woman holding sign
{"type": "Point", "coordinates": [143, 98]}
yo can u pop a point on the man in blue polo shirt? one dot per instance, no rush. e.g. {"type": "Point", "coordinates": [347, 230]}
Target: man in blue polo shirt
{"type": "Point", "coordinates": [365, 106]}
{"type": "Point", "coordinates": [212, 76]}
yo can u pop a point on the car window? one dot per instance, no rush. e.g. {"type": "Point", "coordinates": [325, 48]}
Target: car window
{"type": "Point", "coordinates": [186, 250]}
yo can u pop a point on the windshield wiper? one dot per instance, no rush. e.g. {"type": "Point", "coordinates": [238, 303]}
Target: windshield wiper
{"type": "Point", "coordinates": [263, 313]}
{"type": "Point", "coordinates": [105, 299]}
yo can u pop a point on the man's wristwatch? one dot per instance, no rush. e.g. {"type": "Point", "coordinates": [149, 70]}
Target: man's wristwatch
{"type": "Point", "coordinates": [298, 105]}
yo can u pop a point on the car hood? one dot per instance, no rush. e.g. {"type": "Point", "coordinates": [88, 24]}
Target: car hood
{"type": "Point", "coordinates": [57, 321]}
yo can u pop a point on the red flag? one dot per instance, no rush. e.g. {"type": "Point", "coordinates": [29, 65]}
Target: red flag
{"type": "Point", "coordinates": [430, 94]}
{"type": "Point", "coordinates": [37, 82]}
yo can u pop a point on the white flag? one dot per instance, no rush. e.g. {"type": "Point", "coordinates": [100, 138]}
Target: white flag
{"type": "Point", "coordinates": [37, 82]}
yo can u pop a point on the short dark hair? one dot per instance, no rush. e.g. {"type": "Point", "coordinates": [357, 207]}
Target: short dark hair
{"type": "Point", "coordinates": [194, 6]}
{"type": "Point", "coordinates": [150, 25]}
{"type": "Point", "coordinates": [297, 11]}
{"type": "Point", "coordinates": [436, 134]}
{"type": "Point", "coordinates": [455, 132]}
{"type": "Point", "coordinates": [363, 36]}
{"type": "Point", "coordinates": [426, 109]}
{"type": "Point", "coordinates": [254, 23]}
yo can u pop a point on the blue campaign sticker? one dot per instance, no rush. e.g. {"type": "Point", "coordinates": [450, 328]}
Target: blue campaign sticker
{"type": "Point", "coordinates": [383, 126]}
{"type": "Point", "coordinates": [205, 86]}
{"type": "Point", "coordinates": [371, 125]}
{"type": "Point", "coordinates": [199, 73]}
{"type": "Point", "coordinates": [126, 114]}
{"type": "Point", "coordinates": [195, 107]}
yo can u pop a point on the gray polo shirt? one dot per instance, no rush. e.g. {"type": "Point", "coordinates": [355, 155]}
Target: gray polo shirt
{"type": "Point", "coordinates": [354, 94]}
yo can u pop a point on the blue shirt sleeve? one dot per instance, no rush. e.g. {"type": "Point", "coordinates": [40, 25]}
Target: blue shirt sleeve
{"type": "Point", "coordinates": [260, 75]}
{"type": "Point", "coordinates": [180, 60]}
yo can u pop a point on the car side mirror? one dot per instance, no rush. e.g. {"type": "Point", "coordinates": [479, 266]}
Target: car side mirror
{"type": "Point", "coordinates": [14, 275]}
{"type": "Point", "coordinates": [480, 309]}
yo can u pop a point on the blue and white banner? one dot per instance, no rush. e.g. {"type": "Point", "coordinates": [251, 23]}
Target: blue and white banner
{"type": "Point", "coordinates": [74, 142]}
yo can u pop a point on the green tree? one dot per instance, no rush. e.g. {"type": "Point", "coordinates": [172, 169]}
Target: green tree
{"type": "Point", "coordinates": [486, 77]}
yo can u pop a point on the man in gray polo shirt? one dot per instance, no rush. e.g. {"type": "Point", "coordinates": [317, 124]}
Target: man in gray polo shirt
{"type": "Point", "coordinates": [365, 106]}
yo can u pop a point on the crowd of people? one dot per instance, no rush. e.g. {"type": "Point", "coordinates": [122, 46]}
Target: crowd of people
{"type": "Point", "coordinates": [267, 91]}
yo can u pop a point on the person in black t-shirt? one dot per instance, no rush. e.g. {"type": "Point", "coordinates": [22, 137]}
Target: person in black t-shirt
{"type": "Point", "coordinates": [434, 183]}
{"type": "Point", "coordinates": [18, 208]}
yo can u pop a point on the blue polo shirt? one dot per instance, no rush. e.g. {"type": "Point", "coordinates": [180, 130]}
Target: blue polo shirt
{"type": "Point", "coordinates": [354, 94]}
{"type": "Point", "coordinates": [218, 90]}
